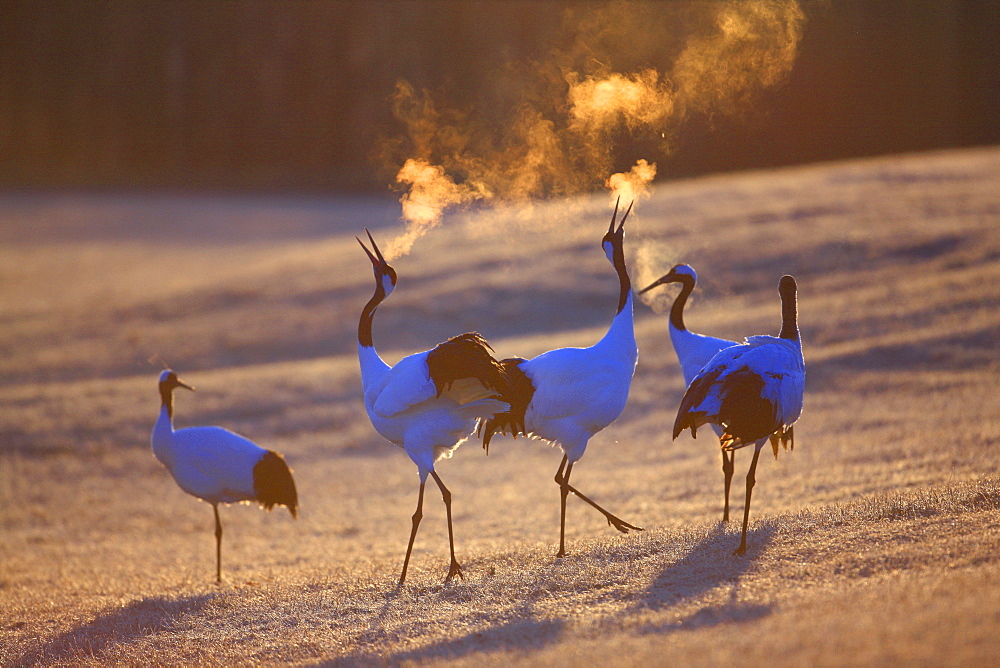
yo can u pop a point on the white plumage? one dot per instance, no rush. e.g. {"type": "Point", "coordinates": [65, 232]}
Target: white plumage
{"type": "Point", "coordinates": [404, 408]}
{"type": "Point", "coordinates": [428, 403]}
{"type": "Point", "coordinates": [693, 352]}
{"type": "Point", "coordinates": [753, 391]}
{"type": "Point", "coordinates": [217, 465]}
{"type": "Point", "coordinates": [567, 395]}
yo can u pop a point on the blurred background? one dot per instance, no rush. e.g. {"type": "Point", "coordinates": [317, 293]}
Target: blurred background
{"type": "Point", "coordinates": [299, 95]}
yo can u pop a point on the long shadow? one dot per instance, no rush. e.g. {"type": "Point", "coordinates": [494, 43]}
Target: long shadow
{"type": "Point", "coordinates": [119, 626]}
{"type": "Point", "coordinates": [709, 565]}
{"type": "Point", "coordinates": [518, 635]}
{"type": "Point", "coordinates": [522, 630]}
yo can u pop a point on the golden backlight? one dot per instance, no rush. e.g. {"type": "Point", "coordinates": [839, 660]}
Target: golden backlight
{"type": "Point", "coordinates": [565, 114]}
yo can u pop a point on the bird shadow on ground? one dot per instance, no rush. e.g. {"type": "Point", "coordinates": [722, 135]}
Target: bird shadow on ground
{"type": "Point", "coordinates": [516, 635]}
{"type": "Point", "coordinates": [116, 627]}
{"type": "Point", "coordinates": [521, 630]}
{"type": "Point", "coordinates": [709, 565]}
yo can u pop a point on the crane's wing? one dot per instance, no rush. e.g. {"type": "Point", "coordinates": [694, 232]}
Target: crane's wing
{"type": "Point", "coordinates": [752, 390]}
{"type": "Point", "coordinates": [213, 461]}
{"type": "Point", "coordinates": [461, 369]}
{"type": "Point", "coordinates": [405, 385]}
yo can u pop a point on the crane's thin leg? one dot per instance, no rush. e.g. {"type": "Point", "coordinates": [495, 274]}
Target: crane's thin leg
{"type": "Point", "coordinates": [417, 515]}
{"type": "Point", "coordinates": [563, 493]}
{"type": "Point", "coordinates": [613, 520]}
{"type": "Point", "coordinates": [455, 568]}
{"type": "Point", "coordinates": [218, 544]}
{"type": "Point", "coordinates": [728, 464]}
{"type": "Point", "coordinates": [751, 480]}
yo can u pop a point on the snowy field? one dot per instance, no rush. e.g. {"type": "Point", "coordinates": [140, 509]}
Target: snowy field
{"type": "Point", "coordinates": [874, 541]}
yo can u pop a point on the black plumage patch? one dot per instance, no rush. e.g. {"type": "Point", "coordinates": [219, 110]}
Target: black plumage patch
{"type": "Point", "coordinates": [746, 415]}
{"type": "Point", "coordinates": [695, 394]}
{"type": "Point", "coordinates": [466, 356]}
{"type": "Point", "coordinates": [519, 396]}
{"type": "Point", "coordinates": [273, 483]}
{"type": "Point", "coordinates": [783, 437]}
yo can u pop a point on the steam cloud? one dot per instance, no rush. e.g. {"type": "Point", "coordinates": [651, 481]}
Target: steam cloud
{"type": "Point", "coordinates": [431, 190]}
{"type": "Point", "coordinates": [636, 69]}
{"type": "Point", "coordinates": [633, 184]}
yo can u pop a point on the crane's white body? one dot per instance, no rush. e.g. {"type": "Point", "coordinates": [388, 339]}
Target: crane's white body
{"type": "Point", "coordinates": [694, 351]}
{"type": "Point", "coordinates": [580, 391]}
{"type": "Point", "coordinates": [211, 463]}
{"type": "Point", "coordinates": [403, 406]}
{"type": "Point", "coordinates": [779, 365]}
{"type": "Point", "coordinates": [753, 391]}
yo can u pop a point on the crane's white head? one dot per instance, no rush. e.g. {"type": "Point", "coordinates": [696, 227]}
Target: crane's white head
{"type": "Point", "coordinates": [385, 276]}
{"type": "Point", "coordinates": [169, 381]}
{"type": "Point", "coordinates": [679, 273]}
{"type": "Point", "coordinates": [615, 238]}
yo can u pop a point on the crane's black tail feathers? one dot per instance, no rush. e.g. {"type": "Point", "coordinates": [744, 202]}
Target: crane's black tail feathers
{"type": "Point", "coordinates": [466, 356]}
{"type": "Point", "coordinates": [519, 396]}
{"type": "Point", "coordinates": [273, 483]}
{"type": "Point", "coordinates": [783, 437]}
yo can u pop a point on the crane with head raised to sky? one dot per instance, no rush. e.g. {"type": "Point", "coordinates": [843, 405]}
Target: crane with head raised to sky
{"type": "Point", "coordinates": [567, 395]}
{"type": "Point", "coordinates": [428, 402]}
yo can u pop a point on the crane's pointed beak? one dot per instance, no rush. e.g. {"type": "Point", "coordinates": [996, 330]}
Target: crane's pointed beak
{"type": "Point", "coordinates": [660, 281]}
{"type": "Point", "coordinates": [368, 252]}
{"type": "Point", "coordinates": [611, 227]}
{"type": "Point", "coordinates": [181, 383]}
{"type": "Point", "coordinates": [375, 247]}
{"type": "Point", "coordinates": [627, 212]}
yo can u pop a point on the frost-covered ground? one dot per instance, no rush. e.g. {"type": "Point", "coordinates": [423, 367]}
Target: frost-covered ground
{"type": "Point", "coordinates": [874, 541]}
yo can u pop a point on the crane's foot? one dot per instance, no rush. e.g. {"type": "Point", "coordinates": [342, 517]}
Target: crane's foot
{"type": "Point", "coordinates": [622, 525]}
{"type": "Point", "coordinates": [740, 551]}
{"type": "Point", "coordinates": [455, 569]}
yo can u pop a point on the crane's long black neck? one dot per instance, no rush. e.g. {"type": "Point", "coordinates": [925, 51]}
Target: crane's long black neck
{"type": "Point", "coordinates": [368, 315]}
{"type": "Point", "coordinates": [167, 399]}
{"type": "Point", "coordinates": [677, 310]}
{"type": "Point", "coordinates": [789, 323]}
{"type": "Point", "coordinates": [618, 256]}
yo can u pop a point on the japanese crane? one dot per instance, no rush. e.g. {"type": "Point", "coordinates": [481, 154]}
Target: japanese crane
{"type": "Point", "coordinates": [567, 395]}
{"type": "Point", "coordinates": [753, 391]}
{"type": "Point", "coordinates": [428, 403]}
{"type": "Point", "coordinates": [219, 466]}
{"type": "Point", "coordinates": [693, 352]}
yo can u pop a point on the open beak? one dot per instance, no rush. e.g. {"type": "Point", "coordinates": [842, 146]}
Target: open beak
{"type": "Point", "coordinates": [375, 257]}
{"type": "Point", "coordinates": [611, 227]}
{"type": "Point", "coordinates": [627, 212]}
